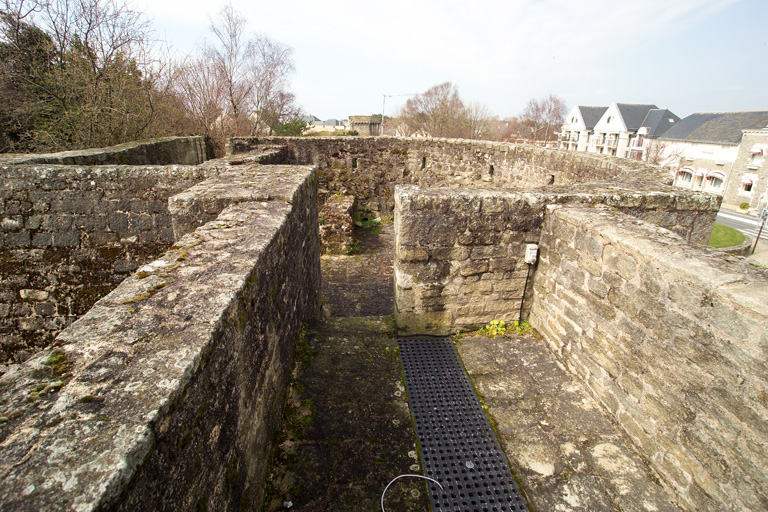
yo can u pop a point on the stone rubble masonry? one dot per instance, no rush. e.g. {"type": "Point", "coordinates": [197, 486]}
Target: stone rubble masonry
{"type": "Point", "coordinates": [163, 151]}
{"type": "Point", "coordinates": [336, 224]}
{"type": "Point", "coordinates": [459, 253]}
{"type": "Point", "coordinates": [369, 168]}
{"type": "Point", "coordinates": [167, 394]}
{"type": "Point", "coordinates": [73, 233]}
{"type": "Point", "coordinates": [671, 339]}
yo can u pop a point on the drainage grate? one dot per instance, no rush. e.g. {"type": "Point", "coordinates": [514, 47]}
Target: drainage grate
{"type": "Point", "coordinates": [458, 446]}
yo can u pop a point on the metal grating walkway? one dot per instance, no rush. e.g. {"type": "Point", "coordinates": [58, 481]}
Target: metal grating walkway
{"type": "Point", "coordinates": [459, 448]}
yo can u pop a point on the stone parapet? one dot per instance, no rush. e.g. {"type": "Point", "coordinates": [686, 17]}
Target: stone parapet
{"type": "Point", "coordinates": [459, 252]}
{"type": "Point", "coordinates": [72, 234]}
{"type": "Point", "coordinates": [167, 393]}
{"type": "Point", "coordinates": [163, 151]}
{"type": "Point", "coordinates": [370, 167]}
{"type": "Point", "coordinates": [204, 201]}
{"type": "Point", "coordinates": [671, 340]}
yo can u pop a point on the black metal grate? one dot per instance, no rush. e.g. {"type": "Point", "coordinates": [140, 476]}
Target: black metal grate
{"type": "Point", "coordinates": [458, 446]}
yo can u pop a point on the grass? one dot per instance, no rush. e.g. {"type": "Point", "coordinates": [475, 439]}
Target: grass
{"type": "Point", "coordinates": [723, 236]}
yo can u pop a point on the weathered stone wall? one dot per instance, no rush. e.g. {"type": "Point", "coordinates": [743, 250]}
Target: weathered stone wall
{"type": "Point", "coordinates": [167, 394]}
{"type": "Point", "coordinates": [459, 256]}
{"type": "Point", "coordinates": [69, 235]}
{"type": "Point", "coordinates": [671, 339]}
{"type": "Point", "coordinates": [165, 151]}
{"type": "Point", "coordinates": [369, 168]}
{"type": "Point", "coordinates": [459, 252]}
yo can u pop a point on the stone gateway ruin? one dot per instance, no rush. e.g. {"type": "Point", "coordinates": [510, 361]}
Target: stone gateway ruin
{"type": "Point", "coordinates": [151, 303]}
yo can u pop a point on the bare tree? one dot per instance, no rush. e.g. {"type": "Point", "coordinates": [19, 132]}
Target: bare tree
{"type": "Point", "coordinates": [83, 72]}
{"type": "Point", "coordinates": [479, 121]}
{"type": "Point", "coordinates": [440, 112]}
{"type": "Point", "coordinates": [544, 117]}
{"type": "Point", "coordinates": [237, 84]}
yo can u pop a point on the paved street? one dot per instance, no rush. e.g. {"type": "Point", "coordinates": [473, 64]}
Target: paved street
{"type": "Point", "coordinates": [745, 223]}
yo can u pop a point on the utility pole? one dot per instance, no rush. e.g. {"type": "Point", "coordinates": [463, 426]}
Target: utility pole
{"type": "Point", "coordinates": [384, 104]}
{"type": "Point", "coordinates": [763, 216]}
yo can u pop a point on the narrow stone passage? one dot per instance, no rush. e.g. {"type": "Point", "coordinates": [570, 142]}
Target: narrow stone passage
{"type": "Point", "coordinates": [567, 455]}
{"type": "Point", "coordinates": [347, 429]}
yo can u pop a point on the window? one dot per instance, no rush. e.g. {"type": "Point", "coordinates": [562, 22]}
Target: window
{"type": "Point", "coordinates": [747, 184]}
{"type": "Point", "coordinates": [685, 177]}
{"type": "Point", "coordinates": [609, 119]}
{"type": "Point", "coordinates": [715, 181]}
{"type": "Point", "coordinates": [757, 159]}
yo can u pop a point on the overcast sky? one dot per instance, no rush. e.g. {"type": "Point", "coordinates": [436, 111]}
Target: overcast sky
{"type": "Point", "coordinates": [685, 55]}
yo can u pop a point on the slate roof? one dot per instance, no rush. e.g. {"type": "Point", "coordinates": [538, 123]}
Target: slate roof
{"type": "Point", "coordinates": [634, 114]}
{"type": "Point", "coordinates": [716, 127]}
{"type": "Point", "coordinates": [657, 121]}
{"type": "Point", "coordinates": [591, 115]}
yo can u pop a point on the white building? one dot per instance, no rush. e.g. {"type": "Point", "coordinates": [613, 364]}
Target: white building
{"type": "Point", "coordinates": [622, 129]}
{"type": "Point", "coordinates": [579, 127]}
{"type": "Point", "coordinates": [704, 146]}
{"type": "Point", "coordinates": [625, 129]}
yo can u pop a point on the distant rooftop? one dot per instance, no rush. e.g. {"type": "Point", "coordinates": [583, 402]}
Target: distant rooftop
{"type": "Point", "coordinates": [716, 127]}
{"type": "Point", "coordinates": [591, 115]}
{"type": "Point", "coordinates": [634, 114]}
{"type": "Point", "coordinates": [659, 121]}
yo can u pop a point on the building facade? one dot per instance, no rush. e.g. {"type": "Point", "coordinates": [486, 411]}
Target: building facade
{"type": "Point", "coordinates": [748, 181]}
{"type": "Point", "coordinates": [579, 127]}
{"type": "Point", "coordinates": [625, 130]}
{"type": "Point", "coordinates": [721, 153]}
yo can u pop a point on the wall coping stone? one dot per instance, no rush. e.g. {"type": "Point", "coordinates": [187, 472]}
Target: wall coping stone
{"type": "Point", "coordinates": [78, 419]}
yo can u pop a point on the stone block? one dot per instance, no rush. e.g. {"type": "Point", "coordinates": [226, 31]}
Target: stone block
{"type": "Point", "coordinates": [44, 309]}
{"type": "Point", "coordinates": [472, 268]}
{"type": "Point", "coordinates": [42, 239]}
{"type": "Point", "coordinates": [19, 239]}
{"type": "Point", "coordinates": [412, 254]}
{"type": "Point", "coordinates": [33, 295]}
{"type": "Point", "coordinates": [102, 238]}
{"type": "Point", "coordinates": [12, 224]}
{"type": "Point", "coordinates": [30, 323]}
{"type": "Point", "coordinates": [66, 239]}
{"type": "Point", "coordinates": [589, 245]}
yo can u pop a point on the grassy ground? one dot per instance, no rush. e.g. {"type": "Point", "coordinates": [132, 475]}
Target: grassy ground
{"type": "Point", "coordinates": [723, 236]}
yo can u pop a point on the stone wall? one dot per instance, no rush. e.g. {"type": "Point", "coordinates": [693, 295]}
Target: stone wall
{"type": "Point", "coordinates": [69, 235]}
{"type": "Point", "coordinates": [671, 339]}
{"type": "Point", "coordinates": [369, 168]}
{"type": "Point", "coordinates": [167, 394]}
{"type": "Point", "coordinates": [459, 252]}
{"type": "Point", "coordinates": [164, 151]}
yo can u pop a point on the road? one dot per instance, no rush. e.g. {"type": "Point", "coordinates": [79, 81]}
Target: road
{"type": "Point", "coordinates": [744, 223]}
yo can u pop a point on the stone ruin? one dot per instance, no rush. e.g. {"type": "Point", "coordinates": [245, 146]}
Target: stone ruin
{"type": "Point", "coordinates": [150, 308]}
